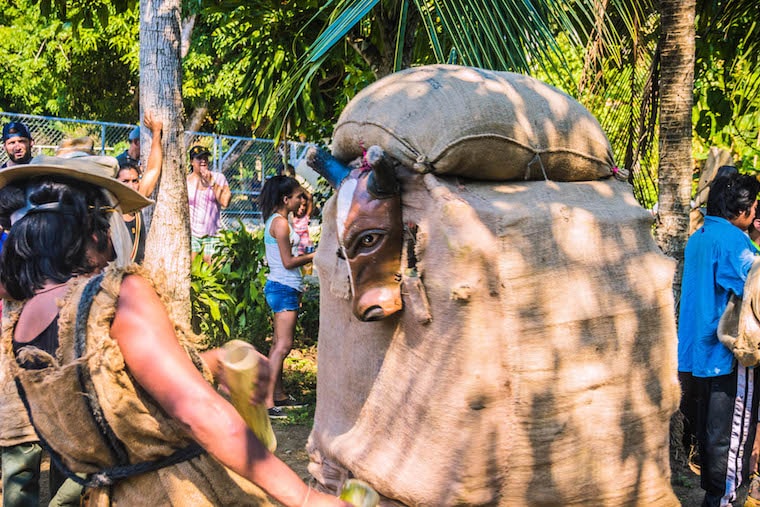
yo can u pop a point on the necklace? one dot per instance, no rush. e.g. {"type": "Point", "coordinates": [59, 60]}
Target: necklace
{"type": "Point", "coordinates": [48, 289]}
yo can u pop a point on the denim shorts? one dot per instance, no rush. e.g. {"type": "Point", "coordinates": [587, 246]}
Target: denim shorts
{"type": "Point", "coordinates": [281, 298]}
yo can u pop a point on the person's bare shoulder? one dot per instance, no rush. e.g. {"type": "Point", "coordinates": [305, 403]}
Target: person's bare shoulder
{"type": "Point", "coordinates": [135, 288]}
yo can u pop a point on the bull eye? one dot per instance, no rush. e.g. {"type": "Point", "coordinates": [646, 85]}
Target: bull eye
{"type": "Point", "coordinates": [364, 242]}
{"type": "Point", "coordinates": [368, 240]}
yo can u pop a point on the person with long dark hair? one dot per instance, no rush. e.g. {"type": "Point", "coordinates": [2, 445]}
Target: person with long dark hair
{"type": "Point", "coordinates": [281, 196]}
{"type": "Point", "coordinates": [113, 387]}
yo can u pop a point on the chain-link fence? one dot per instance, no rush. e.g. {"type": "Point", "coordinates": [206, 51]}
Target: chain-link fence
{"type": "Point", "coordinates": [246, 162]}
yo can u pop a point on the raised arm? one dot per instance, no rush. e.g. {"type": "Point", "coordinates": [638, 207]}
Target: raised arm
{"type": "Point", "coordinates": [147, 341]}
{"type": "Point", "coordinates": [155, 157]}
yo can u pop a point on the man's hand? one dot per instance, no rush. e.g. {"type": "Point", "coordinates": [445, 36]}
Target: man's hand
{"type": "Point", "coordinates": [155, 126]}
{"type": "Point", "coordinates": [207, 177]}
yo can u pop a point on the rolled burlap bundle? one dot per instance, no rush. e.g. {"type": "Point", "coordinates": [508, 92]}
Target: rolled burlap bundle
{"type": "Point", "coordinates": [476, 123]}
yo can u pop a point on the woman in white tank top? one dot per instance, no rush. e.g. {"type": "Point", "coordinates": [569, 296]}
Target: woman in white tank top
{"type": "Point", "coordinates": [280, 196]}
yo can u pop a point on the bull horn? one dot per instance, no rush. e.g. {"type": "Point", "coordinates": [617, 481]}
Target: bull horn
{"type": "Point", "coordinates": [327, 166]}
{"type": "Point", "coordinates": [382, 181]}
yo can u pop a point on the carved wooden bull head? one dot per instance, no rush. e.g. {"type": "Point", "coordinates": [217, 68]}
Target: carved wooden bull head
{"type": "Point", "coordinates": [369, 227]}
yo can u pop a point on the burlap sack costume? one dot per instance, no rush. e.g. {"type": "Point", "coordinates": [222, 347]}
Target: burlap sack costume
{"type": "Point", "coordinates": [739, 326]}
{"type": "Point", "coordinates": [15, 427]}
{"type": "Point", "coordinates": [475, 123]}
{"type": "Point", "coordinates": [547, 375]}
{"type": "Point", "coordinates": [136, 429]}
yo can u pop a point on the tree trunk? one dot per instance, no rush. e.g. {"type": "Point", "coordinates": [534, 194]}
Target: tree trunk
{"type": "Point", "coordinates": [677, 39]}
{"type": "Point", "coordinates": [167, 249]}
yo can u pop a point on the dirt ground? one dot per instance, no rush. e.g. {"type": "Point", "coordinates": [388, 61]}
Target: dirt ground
{"type": "Point", "coordinates": [291, 448]}
{"type": "Point", "coordinates": [686, 486]}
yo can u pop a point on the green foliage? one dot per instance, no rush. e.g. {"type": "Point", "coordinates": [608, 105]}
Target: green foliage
{"type": "Point", "coordinates": [55, 67]}
{"type": "Point", "coordinates": [727, 80]}
{"type": "Point", "coordinates": [228, 295]}
{"type": "Point", "coordinates": [84, 13]}
{"type": "Point", "coordinates": [211, 302]}
{"type": "Point", "coordinates": [242, 50]}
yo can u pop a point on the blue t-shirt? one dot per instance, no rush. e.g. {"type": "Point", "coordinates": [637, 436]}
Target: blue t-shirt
{"type": "Point", "coordinates": [717, 259]}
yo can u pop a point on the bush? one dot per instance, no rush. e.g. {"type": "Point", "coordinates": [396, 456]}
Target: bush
{"type": "Point", "coordinates": [228, 295]}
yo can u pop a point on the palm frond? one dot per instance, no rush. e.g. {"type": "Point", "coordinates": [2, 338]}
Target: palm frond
{"type": "Point", "coordinates": [347, 18]}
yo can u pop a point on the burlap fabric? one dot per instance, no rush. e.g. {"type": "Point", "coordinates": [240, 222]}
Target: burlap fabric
{"type": "Point", "coordinates": [62, 416]}
{"type": "Point", "coordinates": [547, 375]}
{"type": "Point", "coordinates": [739, 326]}
{"type": "Point", "coordinates": [15, 427]}
{"type": "Point", "coordinates": [470, 122]}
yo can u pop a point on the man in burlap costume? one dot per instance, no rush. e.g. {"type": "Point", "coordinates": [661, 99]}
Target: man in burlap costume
{"type": "Point", "coordinates": [82, 323]}
{"type": "Point", "coordinates": [533, 359]}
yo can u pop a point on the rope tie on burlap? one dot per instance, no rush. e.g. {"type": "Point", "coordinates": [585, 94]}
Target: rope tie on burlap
{"type": "Point", "coordinates": [536, 159]}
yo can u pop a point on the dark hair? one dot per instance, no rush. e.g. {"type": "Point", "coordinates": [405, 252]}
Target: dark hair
{"type": "Point", "coordinates": [725, 170]}
{"type": "Point", "coordinates": [274, 191]}
{"type": "Point", "coordinates": [732, 195]}
{"type": "Point", "coordinates": [51, 243]}
{"type": "Point", "coordinates": [128, 166]}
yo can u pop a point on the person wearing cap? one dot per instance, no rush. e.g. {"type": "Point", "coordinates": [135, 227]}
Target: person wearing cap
{"type": "Point", "coordinates": [18, 142]}
{"type": "Point", "coordinates": [131, 156]}
{"type": "Point", "coordinates": [114, 388]}
{"type": "Point", "coordinates": [129, 173]}
{"type": "Point", "coordinates": [208, 193]}
{"type": "Point", "coordinates": [20, 449]}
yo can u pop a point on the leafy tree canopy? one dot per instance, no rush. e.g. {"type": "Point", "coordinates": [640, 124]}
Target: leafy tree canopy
{"type": "Point", "coordinates": [50, 69]}
{"type": "Point", "coordinates": [259, 66]}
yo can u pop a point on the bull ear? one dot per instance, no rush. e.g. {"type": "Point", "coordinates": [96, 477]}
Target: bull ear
{"type": "Point", "coordinates": [382, 181]}
{"type": "Point", "coordinates": [327, 166]}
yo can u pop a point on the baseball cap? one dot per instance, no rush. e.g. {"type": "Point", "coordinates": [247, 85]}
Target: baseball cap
{"type": "Point", "coordinates": [15, 129]}
{"type": "Point", "coordinates": [135, 134]}
{"type": "Point", "coordinates": [199, 151]}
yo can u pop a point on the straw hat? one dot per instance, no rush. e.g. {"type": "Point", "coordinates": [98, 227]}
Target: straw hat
{"type": "Point", "coordinates": [97, 170]}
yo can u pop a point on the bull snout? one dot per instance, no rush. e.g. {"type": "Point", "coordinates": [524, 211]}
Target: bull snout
{"type": "Point", "coordinates": [378, 303]}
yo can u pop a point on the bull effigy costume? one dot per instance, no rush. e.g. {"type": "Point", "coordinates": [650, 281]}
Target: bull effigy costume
{"type": "Point", "coordinates": [497, 323]}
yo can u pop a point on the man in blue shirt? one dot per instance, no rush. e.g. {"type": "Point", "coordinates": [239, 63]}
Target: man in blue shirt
{"type": "Point", "coordinates": [717, 259]}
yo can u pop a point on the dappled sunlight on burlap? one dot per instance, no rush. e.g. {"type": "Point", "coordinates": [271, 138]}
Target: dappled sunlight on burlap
{"type": "Point", "coordinates": [547, 375]}
{"type": "Point", "coordinates": [476, 123]}
{"type": "Point", "coordinates": [739, 326]}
